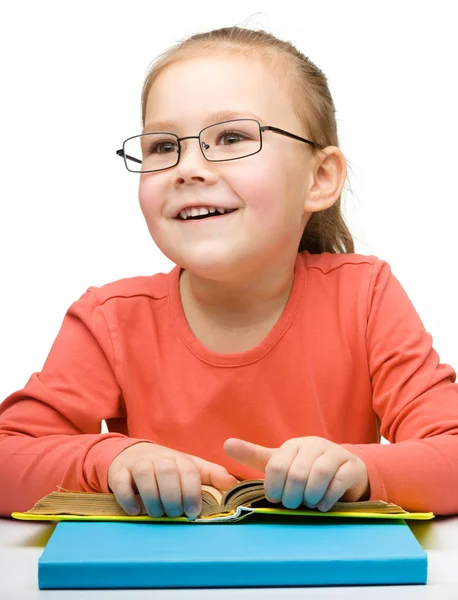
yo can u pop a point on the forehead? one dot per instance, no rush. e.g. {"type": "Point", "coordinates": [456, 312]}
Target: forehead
{"type": "Point", "coordinates": [201, 91]}
{"type": "Point", "coordinates": [171, 125]}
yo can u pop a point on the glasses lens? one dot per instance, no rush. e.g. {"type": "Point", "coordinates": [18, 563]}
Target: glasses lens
{"type": "Point", "coordinates": [231, 139]}
{"type": "Point", "coordinates": [151, 152]}
{"type": "Point", "coordinates": [223, 141]}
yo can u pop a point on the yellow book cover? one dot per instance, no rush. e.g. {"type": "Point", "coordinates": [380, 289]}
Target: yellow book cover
{"type": "Point", "coordinates": [244, 498]}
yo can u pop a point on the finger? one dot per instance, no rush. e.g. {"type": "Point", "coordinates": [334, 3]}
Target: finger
{"type": "Point", "coordinates": [297, 477]}
{"type": "Point", "coordinates": [219, 478]}
{"type": "Point", "coordinates": [321, 474]}
{"type": "Point", "coordinates": [145, 479]}
{"type": "Point", "coordinates": [169, 484]}
{"type": "Point", "coordinates": [191, 487]}
{"type": "Point", "coordinates": [213, 474]}
{"type": "Point", "coordinates": [277, 470]}
{"type": "Point", "coordinates": [121, 486]}
{"type": "Point", "coordinates": [343, 479]}
{"type": "Point", "coordinates": [251, 455]}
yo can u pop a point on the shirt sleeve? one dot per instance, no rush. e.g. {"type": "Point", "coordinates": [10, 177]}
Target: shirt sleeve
{"type": "Point", "coordinates": [50, 430]}
{"type": "Point", "coordinates": [415, 398]}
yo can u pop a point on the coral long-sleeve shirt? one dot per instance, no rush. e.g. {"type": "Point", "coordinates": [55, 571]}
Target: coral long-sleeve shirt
{"type": "Point", "coordinates": [348, 359]}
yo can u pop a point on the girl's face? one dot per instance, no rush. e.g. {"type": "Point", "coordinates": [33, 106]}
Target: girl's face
{"type": "Point", "coordinates": [267, 188]}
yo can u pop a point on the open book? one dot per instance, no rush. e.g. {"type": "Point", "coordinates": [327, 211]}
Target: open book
{"type": "Point", "coordinates": [244, 498]}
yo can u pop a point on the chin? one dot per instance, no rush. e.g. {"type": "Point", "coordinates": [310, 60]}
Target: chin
{"type": "Point", "coordinates": [209, 267]}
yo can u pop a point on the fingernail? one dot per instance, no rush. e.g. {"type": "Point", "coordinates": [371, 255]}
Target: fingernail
{"type": "Point", "coordinates": [133, 510]}
{"type": "Point", "coordinates": [193, 512]}
{"type": "Point", "coordinates": [273, 500]}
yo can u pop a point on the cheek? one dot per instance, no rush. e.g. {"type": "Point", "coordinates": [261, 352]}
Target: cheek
{"type": "Point", "coordinates": [265, 191]}
{"type": "Point", "coordinates": [258, 184]}
{"type": "Point", "coordinates": [150, 195]}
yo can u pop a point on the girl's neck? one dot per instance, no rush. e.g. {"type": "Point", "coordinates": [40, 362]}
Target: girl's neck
{"type": "Point", "coordinates": [241, 305]}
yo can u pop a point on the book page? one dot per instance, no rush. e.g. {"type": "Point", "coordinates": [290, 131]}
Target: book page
{"type": "Point", "coordinates": [217, 495]}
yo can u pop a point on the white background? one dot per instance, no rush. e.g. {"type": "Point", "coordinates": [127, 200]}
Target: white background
{"type": "Point", "coordinates": [71, 79]}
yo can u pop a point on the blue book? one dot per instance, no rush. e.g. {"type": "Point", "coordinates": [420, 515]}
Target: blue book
{"type": "Point", "coordinates": [268, 551]}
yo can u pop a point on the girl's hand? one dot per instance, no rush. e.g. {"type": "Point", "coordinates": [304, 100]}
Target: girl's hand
{"type": "Point", "coordinates": [309, 470]}
{"type": "Point", "coordinates": [167, 480]}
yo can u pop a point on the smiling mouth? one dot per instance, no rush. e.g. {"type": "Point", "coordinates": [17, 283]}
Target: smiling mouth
{"type": "Point", "coordinates": [215, 215]}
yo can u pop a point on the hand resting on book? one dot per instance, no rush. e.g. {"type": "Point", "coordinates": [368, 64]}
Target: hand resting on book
{"type": "Point", "coordinates": [162, 477]}
{"type": "Point", "coordinates": [306, 470]}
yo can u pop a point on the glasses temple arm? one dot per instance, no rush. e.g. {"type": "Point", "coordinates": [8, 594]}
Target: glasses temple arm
{"type": "Point", "coordinates": [121, 153]}
{"type": "Point", "coordinates": [291, 135]}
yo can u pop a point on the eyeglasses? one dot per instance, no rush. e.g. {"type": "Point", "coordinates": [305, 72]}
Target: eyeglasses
{"type": "Point", "coordinates": [150, 152]}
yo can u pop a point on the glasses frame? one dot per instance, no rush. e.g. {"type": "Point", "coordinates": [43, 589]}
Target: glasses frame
{"type": "Point", "coordinates": [262, 128]}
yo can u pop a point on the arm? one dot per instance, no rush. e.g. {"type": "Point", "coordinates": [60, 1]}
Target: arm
{"type": "Point", "coordinates": [50, 429]}
{"type": "Point", "coordinates": [416, 400]}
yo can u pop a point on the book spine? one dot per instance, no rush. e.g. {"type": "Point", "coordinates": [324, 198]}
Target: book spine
{"type": "Point", "coordinates": [231, 573]}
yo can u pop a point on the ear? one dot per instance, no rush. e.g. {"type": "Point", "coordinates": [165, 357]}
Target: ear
{"type": "Point", "coordinates": [327, 179]}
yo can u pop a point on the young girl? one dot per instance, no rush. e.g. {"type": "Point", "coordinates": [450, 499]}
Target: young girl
{"type": "Point", "coordinates": [271, 350]}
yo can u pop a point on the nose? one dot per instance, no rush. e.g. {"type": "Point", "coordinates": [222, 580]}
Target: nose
{"type": "Point", "coordinates": [184, 147]}
{"type": "Point", "coordinates": [192, 164]}
{"type": "Point", "coordinates": [192, 155]}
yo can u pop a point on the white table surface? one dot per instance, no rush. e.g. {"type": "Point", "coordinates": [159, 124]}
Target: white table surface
{"type": "Point", "coordinates": [22, 542]}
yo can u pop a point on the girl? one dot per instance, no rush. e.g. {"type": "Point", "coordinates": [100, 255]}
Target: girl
{"type": "Point", "coordinates": [271, 350]}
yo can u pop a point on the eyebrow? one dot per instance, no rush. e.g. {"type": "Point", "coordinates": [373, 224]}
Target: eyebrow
{"type": "Point", "coordinates": [222, 115]}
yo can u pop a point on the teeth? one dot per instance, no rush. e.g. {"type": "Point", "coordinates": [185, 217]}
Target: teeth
{"type": "Point", "coordinates": [200, 210]}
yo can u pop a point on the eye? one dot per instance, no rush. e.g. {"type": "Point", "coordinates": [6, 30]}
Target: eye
{"type": "Point", "coordinates": [231, 134]}
{"type": "Point", "coordinates": [163, 144]}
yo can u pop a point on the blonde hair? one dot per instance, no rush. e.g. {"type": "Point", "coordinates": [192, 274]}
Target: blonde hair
{"type": "Point", "coordinates": [326, 230]}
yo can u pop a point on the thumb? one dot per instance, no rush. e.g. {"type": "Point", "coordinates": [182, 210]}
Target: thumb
{"type": "Point", "coordinates": [252, 455]}
{"type": "Point", "coordinates": [214, 474]}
